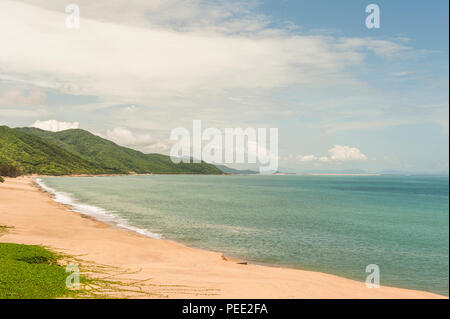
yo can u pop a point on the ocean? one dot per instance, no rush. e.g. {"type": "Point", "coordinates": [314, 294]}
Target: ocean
{"type": "Point", "coordinates": [332, 224]}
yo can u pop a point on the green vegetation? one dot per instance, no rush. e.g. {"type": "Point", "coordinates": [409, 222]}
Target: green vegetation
{"type": "Point", "coordinates": [9, 171]}
{"type": "Point", "coordinates": [31, 150]}
{"type": "Point", "coordinates": [31, 154]}
{"type": "Point", "coordinates": [31, 272]}
{"type": "Point", "coordinates": [34, 272]}
{"type": "Point", "coordinates": [2, 180]}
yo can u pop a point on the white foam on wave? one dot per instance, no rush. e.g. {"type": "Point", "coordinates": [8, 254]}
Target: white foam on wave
{"type": "Point", "coordinates": [93, 211]}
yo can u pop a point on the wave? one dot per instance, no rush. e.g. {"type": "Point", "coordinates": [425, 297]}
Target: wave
{"type": "Point", "coordinates": [90, 210]}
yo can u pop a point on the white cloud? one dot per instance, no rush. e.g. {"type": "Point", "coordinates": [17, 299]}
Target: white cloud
{"type": "Point", "coordinates": [143, 142]}
{"type": "Point", "coordinates": [346, 153]}
{"type": "Point", "coordinates": [124, 136]}
{"type": "Point", "coordinates": [151, 61]}
{"type": "Point", "coordinates": [55, 126]}
{"type": "Point", "coordinates": [201, 15]}
{"type": "Point", "coordinates": [307, 158]}
{"type": "Point", "coordinates": [20, 97]}
{"type": "Point", "coordinates": [218, 61]}
{"type": "Point", "coordinates": [379, 47]}
{"type": "Point", "coordinates": [338, 154]}
{"type": "Point", "coordinates": [158, 147]}
{"type": "Point", "coordinates": [178, 60]}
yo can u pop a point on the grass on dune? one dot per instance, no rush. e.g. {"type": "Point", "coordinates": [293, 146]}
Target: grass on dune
{"type": "Point", "coordinates": [34, 272]}
{"type": "Point", "coordinates": [31, 272]}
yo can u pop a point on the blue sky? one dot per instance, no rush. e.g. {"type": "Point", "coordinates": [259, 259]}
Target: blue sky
{"type": "Point", "coordinates": [424, 22]}
{"type": "Point", "coordinates": [136, 69]}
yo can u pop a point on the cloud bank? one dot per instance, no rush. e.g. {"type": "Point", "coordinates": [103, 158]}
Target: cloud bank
{"type": "Point", "coordinates": [143, 142]}
{"type": "Point", "coordinates": [21, 97]}
{"type": "Point", "coordinates": [116, 58]}
{"type": "Point", "coordinates": [151, 66]}
{"type": "Point", "coordinates": [337, 153]}
{"type": "Point", "coordinates": [54, 126]}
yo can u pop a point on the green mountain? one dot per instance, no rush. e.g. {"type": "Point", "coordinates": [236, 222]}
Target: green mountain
{"type": "Point", "coordinates": [32, 154]}
{"type": "Point", "coordinates": [80, 152]}
{"type": "Point", "coordinates": [230, 170]}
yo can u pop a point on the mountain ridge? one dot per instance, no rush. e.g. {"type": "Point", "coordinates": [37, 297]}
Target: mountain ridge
{"type": "Point", "coordinates": [77, 151]}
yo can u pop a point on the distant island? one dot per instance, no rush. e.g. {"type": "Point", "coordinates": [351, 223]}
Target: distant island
{"type": "Point", "coordinates": [78, 152]}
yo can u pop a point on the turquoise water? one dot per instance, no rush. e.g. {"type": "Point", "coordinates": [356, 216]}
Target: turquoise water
{"type": "Point", "coordinates": [333, 224]}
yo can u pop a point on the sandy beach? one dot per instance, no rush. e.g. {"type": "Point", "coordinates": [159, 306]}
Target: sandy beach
{"type": "Point", "coordinates": [172, 270]}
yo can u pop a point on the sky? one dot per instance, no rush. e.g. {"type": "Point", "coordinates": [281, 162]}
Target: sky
{"type": "Point", "coordinates": [342, 96]}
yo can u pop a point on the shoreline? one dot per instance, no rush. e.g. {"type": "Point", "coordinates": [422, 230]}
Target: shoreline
{"type": "Point", "coordinates": [97, 213]}
{"type": "Point", "coordinates": [188, 272]}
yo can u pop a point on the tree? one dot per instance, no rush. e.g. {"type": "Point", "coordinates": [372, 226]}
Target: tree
{"type": "Point", "coordinates": [9, 171]}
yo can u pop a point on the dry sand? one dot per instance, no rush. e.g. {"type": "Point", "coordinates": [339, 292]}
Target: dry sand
{"type": "Point", "coordinates": [172, 270]}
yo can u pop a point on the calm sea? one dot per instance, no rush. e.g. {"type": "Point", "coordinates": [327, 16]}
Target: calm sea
{"type": "Point", "coordinates": [333, 224]}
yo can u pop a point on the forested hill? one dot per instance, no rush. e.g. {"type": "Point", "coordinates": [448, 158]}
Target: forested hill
{"type": "Point", "coordinates": [76, 151]}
